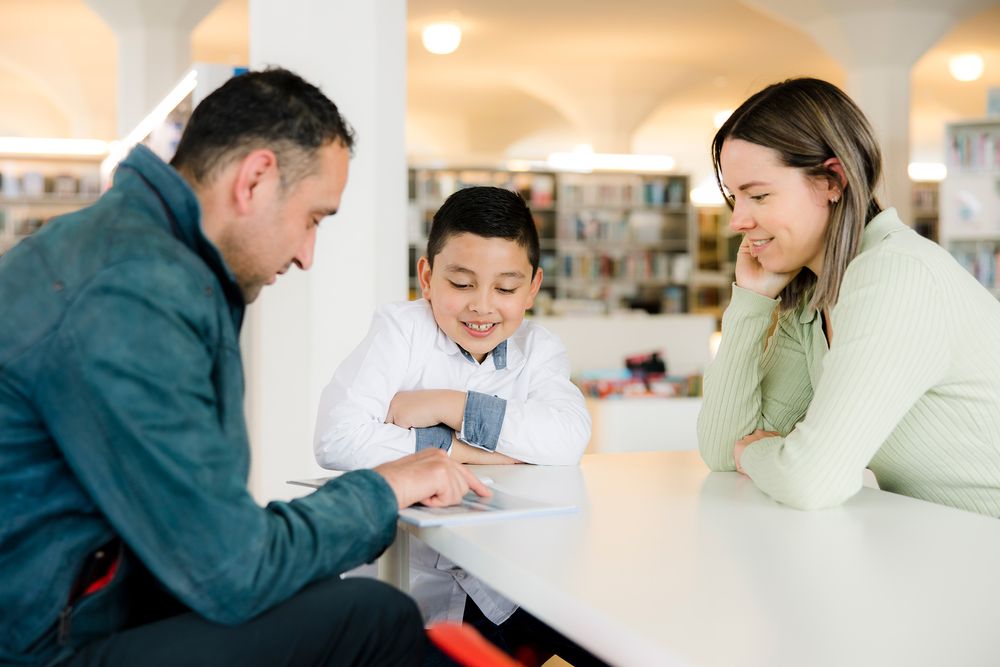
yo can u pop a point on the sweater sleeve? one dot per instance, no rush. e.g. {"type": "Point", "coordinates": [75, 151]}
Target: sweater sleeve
{"type": "Point", "coordinates": [890, 346]}
{"type": "Point", "coordinates": [753, 382]}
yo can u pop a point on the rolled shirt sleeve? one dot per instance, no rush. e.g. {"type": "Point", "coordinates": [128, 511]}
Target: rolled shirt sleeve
{"type": "Point", "coordinates": [483, 420]}
{"type": "Point", "coordinates": [434, 437]}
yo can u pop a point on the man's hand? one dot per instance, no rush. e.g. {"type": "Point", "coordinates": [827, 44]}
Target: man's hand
{"type": "Point", "coordinates": [743, 443]}
{"type": "Point", "coordinates": [431, 478]}
{"type": "Point", "coordinates": [427, 407]}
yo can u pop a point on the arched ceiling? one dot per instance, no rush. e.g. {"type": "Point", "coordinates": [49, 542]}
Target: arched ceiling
{"type": "Point", "coordinates": [630, 75]}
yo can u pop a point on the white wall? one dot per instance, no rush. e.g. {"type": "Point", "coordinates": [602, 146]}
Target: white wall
{"type": "Point", "coordinates": [307, 323]}
{"type": "Point", "coordinates": [601, 343]}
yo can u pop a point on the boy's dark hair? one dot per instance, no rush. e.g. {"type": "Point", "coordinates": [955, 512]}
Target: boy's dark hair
{"type": "Point", "coordinates": [485, 211]}
{"type": "Point", "coordinates": [273, 108]}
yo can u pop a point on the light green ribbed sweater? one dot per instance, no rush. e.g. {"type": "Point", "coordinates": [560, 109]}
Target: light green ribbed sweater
{"type": "Point", "coordinates": [910, 387]}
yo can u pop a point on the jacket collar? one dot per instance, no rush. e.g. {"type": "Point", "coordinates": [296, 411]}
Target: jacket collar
{"type": "Point", "coordinates": [169, 195]}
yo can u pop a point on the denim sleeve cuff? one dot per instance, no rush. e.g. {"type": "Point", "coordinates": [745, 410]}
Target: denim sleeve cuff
{"type": "Point", "coordinates": [483, 420]}
{"type": "Point", "coordinates": [437, 437]}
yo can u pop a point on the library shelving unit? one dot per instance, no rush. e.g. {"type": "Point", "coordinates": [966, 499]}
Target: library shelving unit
{"type": "Point", "coordinates": [625, 239]}
{"type": "Point", "coordinates": [608, 240]}
{"type": "Point", "coordinates": [429, 187]}
{"type": "Point", "coordinates": [970, 199]}
{"type": "Point", "coordinates": [715, 261]}
{"type": "Point", "coordinates": [925, 209]}
{"type": "Point", "coordinates": [36, 189]}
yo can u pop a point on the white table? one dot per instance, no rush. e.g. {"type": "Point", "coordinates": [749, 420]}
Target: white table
{"type": "Point", "coordinates": [667, 564]}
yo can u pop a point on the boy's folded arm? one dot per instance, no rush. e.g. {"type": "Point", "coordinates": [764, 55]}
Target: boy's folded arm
{"type": "Point", "coordinates": [465, 453]}
{"type": "Point", "coordinates": [551, 427]}
{"type": "Point", "coordinates": [350, 442]}
{"type": "Point", "coordinates": [350, 429]}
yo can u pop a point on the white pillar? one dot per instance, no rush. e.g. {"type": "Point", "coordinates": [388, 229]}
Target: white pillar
{"type": "Point", "coordinates": [883, 92]}
{"type": "Point", "coordinates": [303, 326]}
{"type": "Point", "coordinates": [154, 49]}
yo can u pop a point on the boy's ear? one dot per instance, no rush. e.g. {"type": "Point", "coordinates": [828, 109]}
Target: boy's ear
{"type": "Point", "coordinates": [424, 276]}
{"type": "Point", "coordinates": [536, 284]}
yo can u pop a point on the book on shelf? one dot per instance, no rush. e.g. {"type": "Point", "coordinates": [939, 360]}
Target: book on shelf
{"type": "Point", "coordinates": [975, 148]}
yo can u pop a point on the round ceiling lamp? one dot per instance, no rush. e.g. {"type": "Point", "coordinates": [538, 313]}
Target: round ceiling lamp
{"type": "Point", "coordinates": [966, 66]}
{"type": "Point", "coordinates": [442, 38]}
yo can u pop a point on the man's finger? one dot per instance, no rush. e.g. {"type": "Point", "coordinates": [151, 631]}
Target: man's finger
{"type": "Point", "coordinates": [475, 483]}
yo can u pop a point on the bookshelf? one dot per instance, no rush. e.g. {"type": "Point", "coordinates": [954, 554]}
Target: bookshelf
{"type": "Point", "coordinates": [429, 187]}
{"type": "Point", "coordinates": [715, 261]}
{"type": "Point", "coordinates": [925, 209]}
{"type": "Point", "coordinates": [33, 190]}
{"type": "Point", "coordinates": [625, 240]}
{"type": "Point", "coordinates": [608, 240]}
{"type": "Point", "coordinates": [970, 199]}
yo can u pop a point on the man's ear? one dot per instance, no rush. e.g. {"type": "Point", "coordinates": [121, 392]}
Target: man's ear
{"type": "Point", "coordinates": [424, 276]}
{"type": "Point", "coordinates": [258, 168]}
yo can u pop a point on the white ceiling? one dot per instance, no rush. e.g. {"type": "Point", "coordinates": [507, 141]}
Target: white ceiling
{"type": "Point", "coordinates": [531, 76]}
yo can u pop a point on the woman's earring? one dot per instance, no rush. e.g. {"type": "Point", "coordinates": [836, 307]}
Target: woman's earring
{"type": "Point", "coordinates": [834, 199]}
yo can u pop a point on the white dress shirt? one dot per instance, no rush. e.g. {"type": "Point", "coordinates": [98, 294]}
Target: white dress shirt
{"type": "Point", "coordinates": [521, 403]}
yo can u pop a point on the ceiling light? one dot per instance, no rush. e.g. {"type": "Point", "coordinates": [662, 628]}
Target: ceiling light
{"type": "Point", "coordinates": [442, 38]}
{"type": "Point", "coordinates": [38, 146]}
{"type": "Point", "coordinates": [966, 66]}
{"type": "Point", "coordinates": [927, 171]}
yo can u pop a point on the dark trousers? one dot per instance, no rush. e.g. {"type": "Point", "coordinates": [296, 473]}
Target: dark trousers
{"type": "Point", "coordinates": [332, 622]}
{"type": "Point", "coordinates": [523, 637]}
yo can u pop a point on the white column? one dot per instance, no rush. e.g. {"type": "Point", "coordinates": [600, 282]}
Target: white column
{"type": "Point", "coordinates": [883, 92]}
{"type": "Point", "coordinates": [154, 49]}
{"type": "Point", "coordinates": [303, 326]}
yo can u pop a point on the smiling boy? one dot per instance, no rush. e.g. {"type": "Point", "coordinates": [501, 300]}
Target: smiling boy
{"type": "Point", "coordinates": [460, 370]}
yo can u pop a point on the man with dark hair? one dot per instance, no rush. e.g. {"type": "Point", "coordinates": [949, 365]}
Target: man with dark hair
{"type": "Point", "coordinates": [128, 535]}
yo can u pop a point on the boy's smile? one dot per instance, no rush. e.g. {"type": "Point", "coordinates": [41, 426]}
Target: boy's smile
{"type": "Point", "coordinates": [480, 328]}
{"type": "Point", "coordinates": [479, 289]}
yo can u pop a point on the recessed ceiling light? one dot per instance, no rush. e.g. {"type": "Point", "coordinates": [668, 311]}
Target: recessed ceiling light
{"type": "Point", "coordinates": [966, 66]}
{"type": "Point", "coordinates": [442, 38]}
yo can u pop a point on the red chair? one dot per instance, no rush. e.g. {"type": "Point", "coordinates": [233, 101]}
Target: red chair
{"type": "Point", "coordinates": [463, 644]}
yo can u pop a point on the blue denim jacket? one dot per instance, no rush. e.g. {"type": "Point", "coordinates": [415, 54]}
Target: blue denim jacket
{"type": "Point", "coordinates": [121, 416]}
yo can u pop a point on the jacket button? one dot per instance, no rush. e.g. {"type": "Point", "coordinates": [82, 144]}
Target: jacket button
{"type": "Point", "coordinates": [209, 291]}
{"type": "Point", "coordinates": [57, 285]}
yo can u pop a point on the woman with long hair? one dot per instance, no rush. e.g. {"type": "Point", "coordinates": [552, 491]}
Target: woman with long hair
{"type": "Point", "coordinates": [850, 341]}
